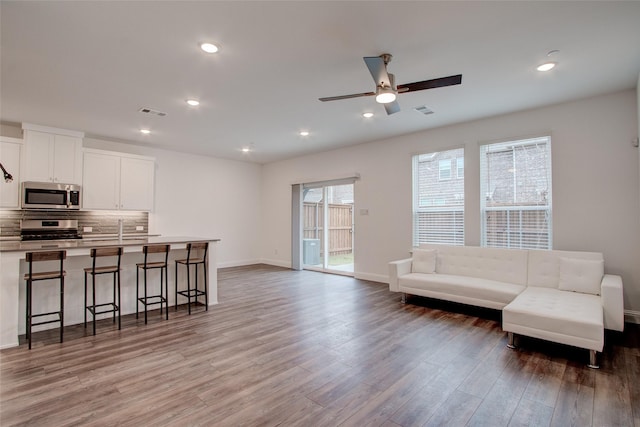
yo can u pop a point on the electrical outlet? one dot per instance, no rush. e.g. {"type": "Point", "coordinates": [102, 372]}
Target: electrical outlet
{"type": "Point", "coordinates": [87, 229]}
{"type": "Point", "coordinates": [139, 227]}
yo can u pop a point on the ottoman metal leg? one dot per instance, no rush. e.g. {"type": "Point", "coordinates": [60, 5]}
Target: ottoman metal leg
{"type": "Point", "coordinates": [593, 360]}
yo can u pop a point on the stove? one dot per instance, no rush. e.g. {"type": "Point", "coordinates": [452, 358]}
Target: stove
{"type": "Point", "coordinates": [49, 229]}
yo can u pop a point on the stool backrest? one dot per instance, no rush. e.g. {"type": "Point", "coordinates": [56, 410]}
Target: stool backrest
{"type": "Point", "coordinates": [194, 247]}
{"type": "Point", "coordinates": [104, 252]}
{"type": "Point", "coordinates": [32, 257]}
{"type": "Point", "coordinates": [156, 249]}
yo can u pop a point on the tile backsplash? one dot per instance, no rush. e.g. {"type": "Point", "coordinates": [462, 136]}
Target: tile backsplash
{"type": "Point", "coordinates": [100, 222]}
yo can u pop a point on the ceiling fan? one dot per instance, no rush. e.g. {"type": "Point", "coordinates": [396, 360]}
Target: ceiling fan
{"type": "Point", "coordinates": [386, 89]}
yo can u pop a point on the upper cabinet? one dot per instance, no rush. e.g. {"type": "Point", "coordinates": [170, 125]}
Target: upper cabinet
{"type": "Point", "coordinates": [10, 155]}
{"type": "Point", "coordinates": [117, 181]}
{"type": "Point", "coordinates": [52, 155]}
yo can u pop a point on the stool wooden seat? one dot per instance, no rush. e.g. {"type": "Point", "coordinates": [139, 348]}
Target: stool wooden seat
{"type": "Point", "coordinates": [148, 264]}
{"type": "Point", "coordinates": [31, 276]}
{"type": "Point", "coordinates": [108, 307]}
{"type": "Point", "coordinates": [194, 258]}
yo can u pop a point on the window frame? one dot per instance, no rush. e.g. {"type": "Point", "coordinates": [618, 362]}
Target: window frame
{"type": "Point", "coordinates": [522, 213]}
{"type": "Point", "coordinates": [453, 231]}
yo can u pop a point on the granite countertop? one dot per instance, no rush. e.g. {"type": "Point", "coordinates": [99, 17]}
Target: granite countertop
{"type": "Point", "coordinates": [94, 242]}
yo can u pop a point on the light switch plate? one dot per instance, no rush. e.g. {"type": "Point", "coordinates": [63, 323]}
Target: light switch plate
{"type": "Point", "coordinates": [87, 229]}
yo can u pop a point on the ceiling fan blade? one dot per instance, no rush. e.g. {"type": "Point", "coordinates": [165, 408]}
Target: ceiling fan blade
{"type": "Point", "coordinates": [392, 107]}
{"type": "Point", "coordinates": [378, 70]}
{"type": "Point", "coordinates": [432, 84]}
{"type": "Point", "coordinates": [355, 95]}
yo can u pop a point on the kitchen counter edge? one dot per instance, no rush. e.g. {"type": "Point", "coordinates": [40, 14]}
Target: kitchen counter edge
{"type": "Point", "coordinates": [34, 246]}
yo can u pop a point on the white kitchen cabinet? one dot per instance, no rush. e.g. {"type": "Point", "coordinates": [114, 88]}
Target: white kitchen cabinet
{"type": "Point", "coordinates": [52, 155]}
{"type": "Point", "coordinates": [10, 157]}
{"type": "Point", "coordinates": [117, 181]}
{"type": "Point", "coordinates": [136, 183]}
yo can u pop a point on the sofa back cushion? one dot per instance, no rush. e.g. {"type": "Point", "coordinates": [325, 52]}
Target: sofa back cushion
{"type": "Point", "coordinates": [503, 265]}
{"type": "Point", "coordinates": [544, 266]}
{"type": "Point", "coordinates": [581, 275]}
{"type": "Point", "coordinates": [423, 261]}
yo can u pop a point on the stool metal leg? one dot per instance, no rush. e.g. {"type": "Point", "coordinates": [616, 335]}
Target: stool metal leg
{"type": "Point", "coordinates": [145, 296]}
{"type": "Point", "coordinates": [119, 304]}
{"type": "Point", "coordinates": [189, 286]}
{"type": "Point", "coordinates": [176, 286]}
{"type": "Point", "coordinates": [61, 308]}
{"type": "Point", "coordinates": [93, 301]}
{"type": "Point", "coordinates": [206, 290]}
{"type": "Point", "coordinates": [166, 290]}
{"type": "Point", "coordinates": [85, 299]}
{"type": "Point", "coordinates": [29, 291]}
{"type": "Point", "coordinates": [137, 291]}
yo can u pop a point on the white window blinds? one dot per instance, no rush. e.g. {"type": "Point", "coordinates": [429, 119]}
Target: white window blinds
{"type": "Point", "coordinates": [438, 197]}
{"type": "Point", "coordinates": [515, 194]}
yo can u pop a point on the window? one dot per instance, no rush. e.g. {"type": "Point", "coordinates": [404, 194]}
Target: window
{"type": "Point", "coordinates": [515, 189]}
{"type": "Point", "coordinates": [438, 200]}
{"type": "Point", "coordinates": [444, 169]}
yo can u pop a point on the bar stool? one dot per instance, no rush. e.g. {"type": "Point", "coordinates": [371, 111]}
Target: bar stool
{"type": "Point", "coordinates": [195, 260]}
{"type": "Point", "coordinates": [109, 307]}
{"type": "Point", "coordinates": [32, 276]}
{"type": "Point", "coordinates": [162, 297]}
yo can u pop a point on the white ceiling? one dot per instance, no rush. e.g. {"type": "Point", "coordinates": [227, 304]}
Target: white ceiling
{"type": "Point", "coordinates": [90, 66]}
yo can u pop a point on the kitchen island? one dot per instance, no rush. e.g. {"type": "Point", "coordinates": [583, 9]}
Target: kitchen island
{"type": "Point", "coordinates": [13, 267]}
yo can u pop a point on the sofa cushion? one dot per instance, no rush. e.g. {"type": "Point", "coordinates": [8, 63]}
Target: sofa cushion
{"type": "Point", "coordinates": [581, 275]}
{"type": "Point", "coordinates": [469, 287]}
{"type": "Point", "coordinates": [544, 265]}
{"type": "Point", "coordinates": [554, 313]}
{"type": "Point", "coordinates": [424, 261]}
{"type": "Point", "coordinates": [504, 265]}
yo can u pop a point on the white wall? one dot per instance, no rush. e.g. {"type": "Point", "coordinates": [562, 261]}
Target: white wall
{"type": "Point", "coordinates": [203, 196]}
{"type": "Point", "coordinates": [596, 191]}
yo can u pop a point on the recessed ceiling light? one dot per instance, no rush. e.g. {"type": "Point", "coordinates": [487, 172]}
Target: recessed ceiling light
{"type": "Point", "coordinates": [367, 115]}
{"type": "Point", "coordinates": [546, 66]}
{"type": "Point", "coordinates": [304, 133]}
{"type": "Point", "coordinates": [209, 47]}
{"type": "Point", "coordinates": [193, 102]}
{"type": "Point", "coordinates": [145, 131]}
{"type": "Point", "coordinates": [245, 149]}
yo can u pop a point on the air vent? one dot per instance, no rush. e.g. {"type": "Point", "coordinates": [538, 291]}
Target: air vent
{"type": "Point", "coordinates": [146, 110]}
{"type": "Point", "coordinates": [424, 110]}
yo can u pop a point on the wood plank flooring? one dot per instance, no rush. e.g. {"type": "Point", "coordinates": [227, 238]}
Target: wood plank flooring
{"type": "Point", "coordinates": [309, 349]}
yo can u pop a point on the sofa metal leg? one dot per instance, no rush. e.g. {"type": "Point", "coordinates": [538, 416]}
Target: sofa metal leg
{"type": "Point", "coordinates": [593, 360]}
{"type": "Point", "coordinates": [512, 340]}
{"type": "Point", "coordinates": [403, 298]}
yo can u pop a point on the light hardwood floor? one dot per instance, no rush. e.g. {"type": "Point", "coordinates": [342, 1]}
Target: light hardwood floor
{"type": "Point", "coordinates": [309, 349]}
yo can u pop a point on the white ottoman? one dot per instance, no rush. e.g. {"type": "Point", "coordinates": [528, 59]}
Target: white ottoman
{"type": "Point", "coordinates": [550, 314]}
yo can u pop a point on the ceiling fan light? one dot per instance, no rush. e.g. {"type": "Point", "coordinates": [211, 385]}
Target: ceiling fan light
{"type": "Point", "coordinates": [385, 95]}
{"type": "Point", "coordinates": [547, 66]}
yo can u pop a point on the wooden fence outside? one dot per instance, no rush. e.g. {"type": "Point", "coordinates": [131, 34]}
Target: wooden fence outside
{"type": "Point", "coordinates": [340, 226]}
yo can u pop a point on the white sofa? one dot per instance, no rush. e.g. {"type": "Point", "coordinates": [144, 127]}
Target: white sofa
{"type": "Point", "coordinates": [559, 296]}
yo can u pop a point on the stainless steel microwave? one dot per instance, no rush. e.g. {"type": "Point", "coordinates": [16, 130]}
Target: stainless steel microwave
{"type": "Point", "coordinates": [48, 195]}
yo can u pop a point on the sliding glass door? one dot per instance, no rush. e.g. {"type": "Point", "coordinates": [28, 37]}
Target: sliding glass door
{"type": "Point", "coordinates": [327, 233]}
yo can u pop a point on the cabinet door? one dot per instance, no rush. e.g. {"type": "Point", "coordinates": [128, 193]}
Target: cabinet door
{"type": "Point", "coordinates": [10, 191]}
{"type": "Point", "coordinates": [66, 157]}
{"type": "Point", "coordinates": [101, 182]}
{"type": "Point", "coordinates": [136, 184]}
{"type": "Point", "coordinates": [38, 156]}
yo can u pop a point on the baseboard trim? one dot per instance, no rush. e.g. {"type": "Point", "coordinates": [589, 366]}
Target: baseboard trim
{"type": "Point", "coordinates": [372, 277]}
{"type": "Point", "coordinates": [275, 262]}
{"type": "Point", "coordinates": [632, 316]}
{"type": "Point", "coordinates": [240, 263]}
